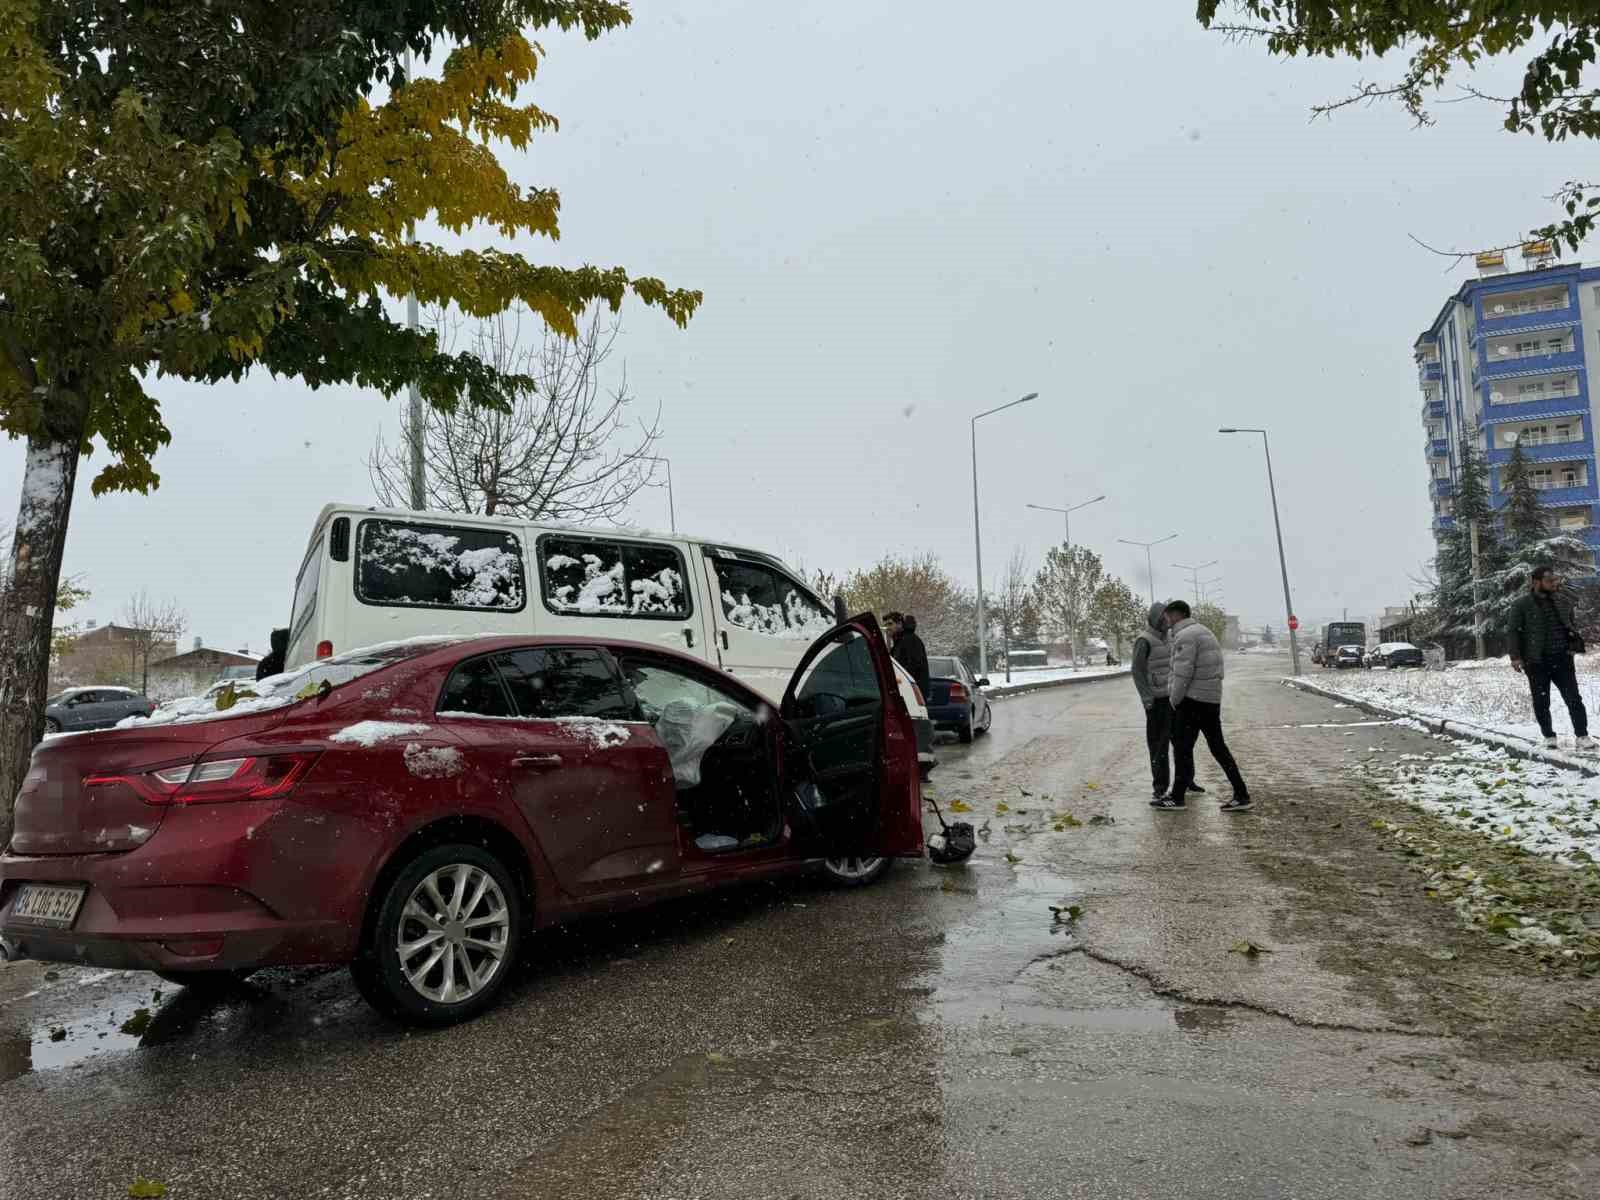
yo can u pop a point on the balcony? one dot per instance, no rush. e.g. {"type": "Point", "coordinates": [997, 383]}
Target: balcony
{"type": "Point", "coordinates": [1437, 448]}
{"type": "Point", "coordinates": [1441, 488]}
{"type": "Point", "coordinates": [1429, 371]}
{"type": "Point", "coordinates": [1433, 410]}
{"type": "Point", "coordinates": [1497, 366]}
{"type": "Point", "coordinates": [1544, 450]}
{"type": "Point", "coordinates": [1443, 524]}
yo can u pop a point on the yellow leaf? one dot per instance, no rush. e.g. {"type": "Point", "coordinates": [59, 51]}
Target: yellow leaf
{"type": "Point", "coordinates": [957, 806]}
{"type": "Point", "coordinates": [146, 1189]}
{"type": "Point", "coordinates": [1002, 807]}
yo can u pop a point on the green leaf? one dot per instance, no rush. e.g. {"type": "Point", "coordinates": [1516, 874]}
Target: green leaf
{"type": "Point", "coordinates": [146, 1189]}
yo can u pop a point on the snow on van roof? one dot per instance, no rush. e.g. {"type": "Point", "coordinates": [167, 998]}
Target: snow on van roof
{"type": "Point", "coordinates": [279, 691]}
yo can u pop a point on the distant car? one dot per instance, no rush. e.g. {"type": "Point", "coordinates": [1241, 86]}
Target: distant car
{"type": "Point", "coordinates": [1396, 654]}
{"type": "Point", "coordinates": [956, 702]}
{"type": "Point", "coordinates": [245, 673]}
{"type": "Point", "coordinates": [81, 708]}
{"type": "Point", "coordinates": [1347, 656]}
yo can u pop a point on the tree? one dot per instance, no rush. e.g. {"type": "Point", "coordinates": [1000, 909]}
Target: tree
{"type": "Point", "coordinates": [199, 189]}
{"type": "Point", "coordinates": [1461, 589]}
{"type": "Point", "coordinates": [152, 625]}
{"type": "Point", "coordinates": [1527, 541]}
{"type": "Point", "coordinates": [918, 585]}
{"type": "Point", "coordinates": [1116, 613]}
{"type": "Point", "coordinates": [1442, 40]}
{"type": "Point", "coordinates": [1065, 587]}
{"type": "Point", "coordinates": [1212, 617]}
{"type": "Point", "coordinates": [1011, 604]}
{"type": "Point", "coordinates": [553, 453]}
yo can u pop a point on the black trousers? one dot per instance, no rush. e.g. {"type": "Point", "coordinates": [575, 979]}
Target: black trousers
{"type": "Point", "coordinates": [1191, 719]}
{"type": "Point", "coordinates": [1562, 673]}
{"type": "Point", "coordinates": [1158, 737]}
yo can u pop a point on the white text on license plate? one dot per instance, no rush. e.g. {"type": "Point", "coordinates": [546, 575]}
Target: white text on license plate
{"type": "Point", "coordinates": [43, 904]}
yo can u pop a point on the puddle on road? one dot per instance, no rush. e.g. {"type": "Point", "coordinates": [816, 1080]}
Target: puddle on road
{"type": "Point", "coordinates": [79, 1033]}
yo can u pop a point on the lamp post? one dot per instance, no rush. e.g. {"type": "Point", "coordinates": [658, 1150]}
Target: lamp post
{"type": "Point", "coordinates": [1205, 588]}
{"type": "Point", "coordinates": [672, 507]}
{"type": "Point", "coordinates": [1148, 566]}
{"type": "Point", "coordinates": [977, 529]}
{"type": "Point", "coordinates": [1066, 514]}
{"type": "Point", "coordinates": [1194, 574]}
{"type": "Point", "coordinates": [1283, 565]}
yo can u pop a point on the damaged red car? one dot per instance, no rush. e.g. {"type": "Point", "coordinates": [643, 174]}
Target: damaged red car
{"type": "Point", "coordinates": [416, 809]}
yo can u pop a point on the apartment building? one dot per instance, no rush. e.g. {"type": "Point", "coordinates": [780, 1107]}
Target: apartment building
{"type": "Point", "coordinates": [1512, 358]}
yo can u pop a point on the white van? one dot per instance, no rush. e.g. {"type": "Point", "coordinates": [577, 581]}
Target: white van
{"type": "Point", "coordinates": [377, 575]}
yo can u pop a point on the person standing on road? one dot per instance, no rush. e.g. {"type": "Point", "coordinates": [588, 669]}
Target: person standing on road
{"type": "Point", "coordinates": [910, 653]}
{"type": "Point", "coordinates": [272, 664]}
{"type": "Point", "coordinates": [1152, 669]}
{"type": "Point", "coordinates": [1194, 690]}
{"type": "Point", "coordinates": [1544, 637]}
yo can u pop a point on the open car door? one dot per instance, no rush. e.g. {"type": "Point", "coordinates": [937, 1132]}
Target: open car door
{"type": "Point", "coordinates": [851, 782]}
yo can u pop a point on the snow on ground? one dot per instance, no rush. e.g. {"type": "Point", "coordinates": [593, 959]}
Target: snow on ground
{"type": "Point", "coordinates": [1029, 676]}
{"type": "Point", "coordinates": [1488, 695]}
{"type": "Point", "coordinates": [1543, 808]}
{"type": "Point", "coordinates": [370, 733]}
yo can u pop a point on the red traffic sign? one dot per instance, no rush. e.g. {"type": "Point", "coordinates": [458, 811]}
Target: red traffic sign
{"type": "Point", "coordinates": [1294, 622]}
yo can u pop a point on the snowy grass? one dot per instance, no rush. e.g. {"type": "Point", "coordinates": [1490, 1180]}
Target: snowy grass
{"type": "Point", "coordinates": [1033, 676]}
{"type": "Point", "coordinates": [1486, 694]}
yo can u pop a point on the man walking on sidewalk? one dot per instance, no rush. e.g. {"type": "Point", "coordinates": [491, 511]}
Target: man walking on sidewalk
{"type": "Point", "coordinates": [1195, 693]}
{"type": "Point", "coordinates": [1544, 637]}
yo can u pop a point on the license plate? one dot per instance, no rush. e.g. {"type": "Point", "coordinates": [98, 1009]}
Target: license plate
{"type": "Point", "coordinates": [45, 904]}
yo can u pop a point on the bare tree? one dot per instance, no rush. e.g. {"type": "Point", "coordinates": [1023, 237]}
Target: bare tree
{"type": "Point", "coordinates": [1011, 601]}
{"type": "Point", "coordinates": [562, 449]}
{"type": "Point", "coordinates": [152, 625]}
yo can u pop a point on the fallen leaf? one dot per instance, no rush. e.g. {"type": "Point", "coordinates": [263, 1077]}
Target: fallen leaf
{"type": "Point", "coordinates": [135, 1025]}
{"type": "Point", "coordinates": [58, 1034]}
{"type": "Point", "coordinates": [146, 1189]}
{"type": "Point", "coordinates": [958, 806]}
{"type": "Point", "coordinates": [1248, 948]}
{"type": "Point", "coordinates": [1102, 819]}
{"type": "Point", "coordinates": [1002, 807]}
{"type": "Point", "coordinates": [1091, 785]}
{"type": "Point", "coordinates": [1012, 858]}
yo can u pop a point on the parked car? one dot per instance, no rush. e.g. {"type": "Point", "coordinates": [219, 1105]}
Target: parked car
{"type": "Point", "coordinates": [81, 708]}
{"type": "Point", "coordinates": [372, 575]}
{"type": "Point", "coordinates": [416, 809]}
{"type": "Point", "coordinates": [1347, 656]}
{"type": "Point", "coordinates": [956, 702]}
{"type": "Point", "coordinates": [1396, 654]}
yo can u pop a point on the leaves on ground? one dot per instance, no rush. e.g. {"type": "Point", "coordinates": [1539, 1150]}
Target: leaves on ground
{"type": "Point", "coordinates": [1068, 912]}
{"type": "Point", "coordinates": [58, 1034]}
{"type": "Point", "coordinates": [1012, 858]}
{"type": "Point", "coordinates": [956, 806]}
{"type": "Point", "coordinates": [1102, 819]}
{"type": "Point", "coordinates": [1002, 807]}
{"type": "Point", "coordinates": [1248, 948]}
{"type": "Point", "coordinates": [135, 1025]}
{"type": "Point", "coordinates": [146, 1189]}
{"type": "Point", "coordinates": [983, 831]}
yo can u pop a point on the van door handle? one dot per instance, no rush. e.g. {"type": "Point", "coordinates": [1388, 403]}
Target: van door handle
{"type": "Point", "coordinates": [537, 762]}
{"type": "Point", "coordinates": [724, 639]}
{"type": "Point", "coordinates": [688, 636]}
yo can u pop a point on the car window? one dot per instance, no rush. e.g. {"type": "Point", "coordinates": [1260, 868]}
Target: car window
{"type": "Point", "coordinates": [474, 687]}
{"type": "Point", "coordinates": [764, 600]}
{"type": "Point", "coordinates": [550, 683]}
{"type": "Point", "coordinates": [950, 668]}
{"type": "Point", "coordinates": [655, 686]}
{"type": "Point", "coordinates": [305, 592]}
{"type": "Point", "coordinates": [597, 578]}
{"type": "Point", "coordinates": [439, 566]}
{"type": "Point", "coordinates": [840, 678]}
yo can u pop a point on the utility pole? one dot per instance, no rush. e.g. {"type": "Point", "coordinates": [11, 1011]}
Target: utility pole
{"type": "Point", "coordinates": [1477, 612]}
{"type": "Point", "coordinates": [1277, 525]}
{"type": "Point", "coordinates": [419, 420]}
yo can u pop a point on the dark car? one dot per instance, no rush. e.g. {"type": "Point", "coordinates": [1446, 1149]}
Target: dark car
{"type": "Point", "coordinates": [1396, 654]}
{"type": "Point", "coordinates": [956, 703]}
{"type": "Point", "coordinates": [77, 709]}
{"type": "Point", "coordinates": [417, 809]}
{"type": "Point", "coordinates": [1347, 656]}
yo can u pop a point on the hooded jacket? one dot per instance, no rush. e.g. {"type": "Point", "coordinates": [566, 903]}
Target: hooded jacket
{"type": "Point", "coordinates": [272, 664]}
{"type": "Point", "coordinates": [1196, 664]}
{"type": "Point", "coordinates": [1152, 659]}
{"type": "Point", "coordinates": [911, 654]}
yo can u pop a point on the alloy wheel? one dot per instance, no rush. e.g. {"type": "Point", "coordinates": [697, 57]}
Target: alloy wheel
{"type": "Point", "coordinates": [453, 933]}
{"type": "Point", "coordinates": [854, 868]}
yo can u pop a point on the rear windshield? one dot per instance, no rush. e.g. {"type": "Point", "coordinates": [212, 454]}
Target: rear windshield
{"type": "Point", "coordinates": [439, 566]}
{"type": "Point", "coordinates": [944, 666]}
{"type": "Point", "coordinates": [250, 697]}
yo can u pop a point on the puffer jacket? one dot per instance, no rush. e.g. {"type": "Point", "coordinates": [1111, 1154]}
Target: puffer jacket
{"type": "Point", "coordinates": [1542, 627]}
{"type": "Point", "coordinates": [1196, 663]}
{"type": "Point", "coordinates": [1152, 659]}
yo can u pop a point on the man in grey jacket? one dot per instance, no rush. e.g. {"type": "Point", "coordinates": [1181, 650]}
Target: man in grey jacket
{"type": "Point", "coordinates": [1152, 668]}
{"type": "Point", "coordinates": [1195, 692]}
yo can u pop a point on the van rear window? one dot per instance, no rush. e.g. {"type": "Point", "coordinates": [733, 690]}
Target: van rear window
{"type": "Point", "coordinates": [595, 578]}
{"type": "Point", "coordinates": [439, 566]}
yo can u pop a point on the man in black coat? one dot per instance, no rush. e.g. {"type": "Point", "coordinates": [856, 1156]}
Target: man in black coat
{"type": "Point", "coordinates": [272, 664]}
{"type": "Point", "coordinates": [910, 653]}
{"type": "Point", "coordinates": [1544, 637]}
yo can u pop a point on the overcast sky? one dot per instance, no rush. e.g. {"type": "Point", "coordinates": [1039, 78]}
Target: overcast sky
{"type": "Point", "coordinates": [901, 216]}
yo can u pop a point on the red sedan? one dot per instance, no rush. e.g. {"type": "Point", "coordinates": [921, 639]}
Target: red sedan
{"type": "Point", "coordinates": [416, 809]}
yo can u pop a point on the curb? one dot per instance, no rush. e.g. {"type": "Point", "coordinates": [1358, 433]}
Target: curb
{"type": "Point", "coordinates": [1005, 691]}
{"type": "Point", "coordinates": [1455, 729]}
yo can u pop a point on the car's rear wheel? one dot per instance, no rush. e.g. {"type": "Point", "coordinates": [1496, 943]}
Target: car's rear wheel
{"type": "Point", "coordinates": [207, 981]}
{"type": "Point", "coordinates": [51, 725]}
{"type": "Point", "coordinates": [855, 871]}
{"type": "Point", "coordinates": [444, 937]}
{"type": "Point", "coordinates": [965, 733]}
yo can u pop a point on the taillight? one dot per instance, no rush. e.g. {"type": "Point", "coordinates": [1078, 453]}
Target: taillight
{"type": "Point", "coordinates": [324, 649]}
{"type": "Point", "coordinates": [917, 692]}
{"type": "Point", "coordinates": [958, 694]}
{"type": "Point", "coordinates": [264, 777]}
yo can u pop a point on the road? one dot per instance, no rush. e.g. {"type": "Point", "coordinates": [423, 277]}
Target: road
{"type": "Point", "coordinates": [940, 1034]}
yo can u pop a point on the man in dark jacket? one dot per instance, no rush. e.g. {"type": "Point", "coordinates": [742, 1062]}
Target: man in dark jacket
{"type": "Point", "coordinates": [1544, 637]}
{"type": "Point", "coordinates": [909, 651]}
{"type": "Point", "coordinates": [272, 664]}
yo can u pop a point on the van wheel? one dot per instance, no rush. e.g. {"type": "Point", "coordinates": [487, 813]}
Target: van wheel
{"type": "Point", "coordinates": [854, 872]}
{"type": "Point", "coordinates": [444, 938]}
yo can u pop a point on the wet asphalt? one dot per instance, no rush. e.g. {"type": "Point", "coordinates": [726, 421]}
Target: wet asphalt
{"type": "Point", "coordinates": [943, 1033]}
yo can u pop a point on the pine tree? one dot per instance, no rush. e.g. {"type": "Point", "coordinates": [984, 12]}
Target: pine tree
{"type": "Point", "coordinates": [1528, 540]}
{"type": "Point", "coordinates": [1455, 598]}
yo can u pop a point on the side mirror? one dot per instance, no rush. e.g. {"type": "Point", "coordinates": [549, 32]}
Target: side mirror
{"type": "Point", "coordinates": [983, 682]}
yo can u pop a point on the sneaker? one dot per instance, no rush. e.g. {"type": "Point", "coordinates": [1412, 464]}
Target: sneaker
{"type": "Point", "coordinates": [1551, 743]}
{"type": "Point", "coordinates": [1169, 804]}
{"type": "Point", "coordinates": [1238, 804]}
{"type": "Point", "coordinates": [1586, 744]}
{"type": "Point", "coordinates": [1197, 789]}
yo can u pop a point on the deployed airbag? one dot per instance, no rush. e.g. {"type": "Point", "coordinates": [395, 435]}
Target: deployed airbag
{"type": "Point", "coordinates": [688, 730]}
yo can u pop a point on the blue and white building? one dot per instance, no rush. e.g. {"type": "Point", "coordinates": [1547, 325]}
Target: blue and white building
{"type": "Point", "coordinates": [1514, 357]}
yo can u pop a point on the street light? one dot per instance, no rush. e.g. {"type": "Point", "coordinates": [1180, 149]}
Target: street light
{"type": "Point", "coordinates": [672, 507]}
{"type": "Point", "coordinates": [1205, 588]}
{"type": "Point", "coordinates": [1149, 568]}
{"type": "Point", "coordinates": [977, 530]}
{"type": "Point", "coordinates": [1066, 514]}
{"type": "Point", "coordinates": [1283, 565]}
{"type": "Point", "coordinates": [1194, 574]}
